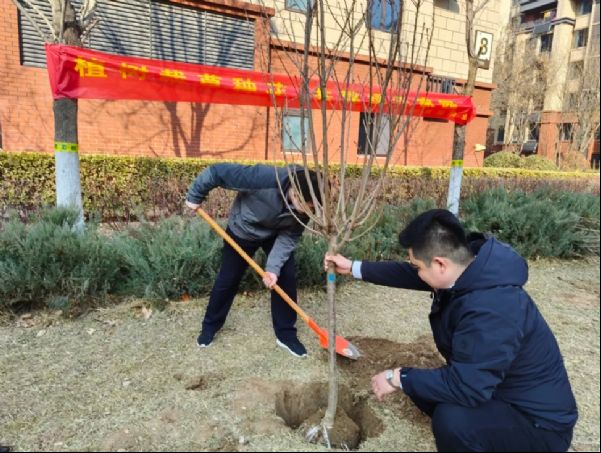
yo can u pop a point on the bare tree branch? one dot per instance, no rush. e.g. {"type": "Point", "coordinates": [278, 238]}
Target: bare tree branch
{"type": "Point", "coordinates": [23, 10]}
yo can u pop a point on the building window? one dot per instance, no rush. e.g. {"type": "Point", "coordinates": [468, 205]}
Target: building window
{"type": "Point", "coordinates": [300, 6]}
{"type": "Point", "coordinates": [565, 132]}
{"type": "Point", "coordinates": [580, 38]}
{"type": "Point", "coordinates": [292, 132]}
{"type": "Point", "coordinates": [546, 42]}
{"type": "Point", "coordinates": [384, 14]}
{"type": "Point", "coordinates": [450, 5]}
{"type": "Point", "coordinates": [378, 133]}
{"type": "Point", "coordinates": [500, 138]}
{"type": "Point", "coordinates": [533, 131]}
{"type": "Point", "coordinates": [154, 29]}
{"type": "Point", "coordinates": [436, 84]}
{"type": "Point", "coordinates": [585, 7]}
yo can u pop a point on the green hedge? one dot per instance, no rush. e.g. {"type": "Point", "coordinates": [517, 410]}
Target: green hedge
{"type": "Point", "coordinates": [128, 188]}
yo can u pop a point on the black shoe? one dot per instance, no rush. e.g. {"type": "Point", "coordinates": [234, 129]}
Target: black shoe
{"type": "Point", "coordinates": [293, 346]}
{"type": "Point", "coordinates": [205, 339]}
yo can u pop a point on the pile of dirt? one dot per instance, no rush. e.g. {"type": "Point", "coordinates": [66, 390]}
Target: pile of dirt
{"type": "Point", "coordinates": [379, 354]}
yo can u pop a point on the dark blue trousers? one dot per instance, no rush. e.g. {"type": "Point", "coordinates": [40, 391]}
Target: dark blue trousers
{"type": "Point", "coordinates": [492, 426]}
{"type": "Point", "coordinates": [228, 281]}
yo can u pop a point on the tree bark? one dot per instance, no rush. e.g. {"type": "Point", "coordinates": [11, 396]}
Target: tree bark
{"type": "Point", "coordinates": [456, 175]}
{"type": "Point", "coordinates": [330, 415]}
{"type": "Point", "coordinates": [66, 142]}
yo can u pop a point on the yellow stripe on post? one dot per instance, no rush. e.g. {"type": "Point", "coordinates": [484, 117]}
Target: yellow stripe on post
{"type": "Point", "coordinates": [457, 163]}
{"type": "Point", "coordinates": [66, 147]}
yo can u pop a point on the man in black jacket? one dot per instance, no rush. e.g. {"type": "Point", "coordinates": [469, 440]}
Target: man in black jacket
{"type": "Point", "coordinates": [261, 217]}
{"type": "Point", "coordinates": [505, 386]}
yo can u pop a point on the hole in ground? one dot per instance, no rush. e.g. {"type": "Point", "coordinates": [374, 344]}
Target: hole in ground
{"type": "Point", "coordinates": [303, 407]}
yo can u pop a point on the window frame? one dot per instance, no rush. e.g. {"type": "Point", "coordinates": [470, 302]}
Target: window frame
{"type": "Point", "coordinates": [580, 38]}
{"type": "Point", "coordinates": [291, 114]}
{"type": "Point", "coordinates": [566, 130]}
{"type": "Point", "coordinates": [113, 33]}
{"type": "Point", "coordinates": [289, 6]}
{"type": "Point", "coordinates": [381, 24]}
{"type": "Point", "coordinates": [547, 37]}
{"type": "Point", "coordinates": [362, 141]}
{"type": "Point", "coordinates": [533, 133]}
{"type": "Point", "coordinates": [498, 131]}
{"type": "Point", "coordinates": [585, 7]}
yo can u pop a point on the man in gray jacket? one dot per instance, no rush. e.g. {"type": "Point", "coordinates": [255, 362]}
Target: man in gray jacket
{"type": "Point", "coordinates": [261, 217]}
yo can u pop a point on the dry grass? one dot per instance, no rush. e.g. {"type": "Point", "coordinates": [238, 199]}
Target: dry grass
{"type": "Point", "coordinates": [113, 380]}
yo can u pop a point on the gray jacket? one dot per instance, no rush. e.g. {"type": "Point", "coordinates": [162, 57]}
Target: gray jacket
{"type": "Point", "coordinates": [259, 211]}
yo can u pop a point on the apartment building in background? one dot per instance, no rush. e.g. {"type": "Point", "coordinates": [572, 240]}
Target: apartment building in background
{"type": "Point", "coordinates": [227, 33]}
{"type": "Point", "coordinates": [558, 40]}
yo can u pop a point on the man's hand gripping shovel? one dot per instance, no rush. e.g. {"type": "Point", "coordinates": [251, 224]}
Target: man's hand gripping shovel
{"type": "Point", "coordinates": [343, 347]}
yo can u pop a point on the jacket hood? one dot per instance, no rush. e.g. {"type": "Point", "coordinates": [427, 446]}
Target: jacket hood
{"type": "Point", "coordinates": [495, 264]}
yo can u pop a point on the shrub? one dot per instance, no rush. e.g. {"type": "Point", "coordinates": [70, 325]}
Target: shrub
{"type": "Point", "coordinates": [503, 159]}
{"type": "Point", "coordinates": [170, 258]}
{"type": "Point", "coordinates": [545, 223]}
{"type": "Point", "coordinates": [47, 261]}
{"type": "Point", "coordinates": [574, 161]}
{"type": "Point", "coordinates": [535, 162]}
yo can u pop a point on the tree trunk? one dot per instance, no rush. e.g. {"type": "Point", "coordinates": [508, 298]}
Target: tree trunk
{"type": "Point", "coordinates": [66, 145]}
{"type": "Point", "coordinates": [456, 175]}
{"type": "Point", "coordinates": [328, 420]}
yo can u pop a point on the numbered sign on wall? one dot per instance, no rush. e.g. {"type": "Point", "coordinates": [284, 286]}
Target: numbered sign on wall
{"type": "Point", "coordinates": [483, 48]}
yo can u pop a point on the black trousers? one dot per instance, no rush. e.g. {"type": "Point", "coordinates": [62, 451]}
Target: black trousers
{"type": "Point", "coordinates": [228, 281]}
{"type": "Point", "coordinates": [492, 426]}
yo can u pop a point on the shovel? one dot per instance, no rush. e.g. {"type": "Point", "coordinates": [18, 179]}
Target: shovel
{"type": "Point", "coordinates": [343, 347]}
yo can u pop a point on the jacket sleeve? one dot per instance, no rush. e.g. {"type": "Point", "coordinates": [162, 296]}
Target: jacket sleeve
{"type": "Point", "coordinates": [284, 245]}
{"type": "Point", "coordinates": [394, 274]}
{"type": "Point", "coordinates": [231, 176]}
{"type": "Point", "coordinates": [484, 345]}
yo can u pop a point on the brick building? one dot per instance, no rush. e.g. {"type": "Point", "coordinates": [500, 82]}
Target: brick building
{"type": "Point", "coordinates": [563, 37]}
{"type": "Point", "coordinates": [216, 32]}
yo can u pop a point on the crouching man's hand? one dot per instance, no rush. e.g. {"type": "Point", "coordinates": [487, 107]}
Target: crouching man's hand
{"type": "Point", "coordinates": [343, 265]}
{"type": "Point", "coordinates": [386, 382]}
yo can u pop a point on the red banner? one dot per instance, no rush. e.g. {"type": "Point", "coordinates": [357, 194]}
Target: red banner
{"type": "Point", "coordinates": [87, 74]}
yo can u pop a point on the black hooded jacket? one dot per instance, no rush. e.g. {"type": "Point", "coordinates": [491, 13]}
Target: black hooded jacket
{"type": "Point", "coordinates": [495, 341]}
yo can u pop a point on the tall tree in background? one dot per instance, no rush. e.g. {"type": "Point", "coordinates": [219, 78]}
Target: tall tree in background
{"type": "Point", "coordinates": [580, 111]}
{"type": "Point", "coordinates": [523, 77]}
{"type": "Point", "coordinates": [65, 26]}
{"type": "Point", "coordinates": [474, 53]}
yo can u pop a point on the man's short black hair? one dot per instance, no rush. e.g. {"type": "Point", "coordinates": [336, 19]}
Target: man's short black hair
{"type": "Point", "coordinates": [302, 184]}
{"type": "Point", "coordinates": [436, 232]}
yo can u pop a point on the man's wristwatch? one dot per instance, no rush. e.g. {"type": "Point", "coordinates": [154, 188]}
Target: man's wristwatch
{"type": "Point", "coordinates": [389, 376]}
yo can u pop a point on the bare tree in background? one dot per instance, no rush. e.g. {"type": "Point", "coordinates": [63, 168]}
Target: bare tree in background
{"type": "Point", "coordinates": [65, 26]}
{"type": "Point", "coordinates": [335, 61]}
{"type": "Point", "coordinates": [472, 9]}
{"type": "Point", "coordinates": [523, 77]}
{"type": "Point", "coordinates": [580, 111]}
